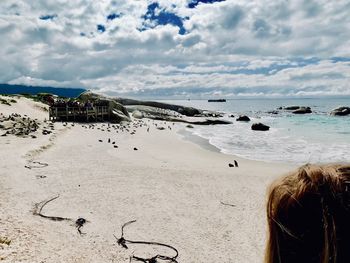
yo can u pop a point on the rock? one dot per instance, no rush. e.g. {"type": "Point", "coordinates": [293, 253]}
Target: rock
{"type": "Point", "coordinates": [291, 107]}
{"type": "Point", "coordinates": [187, 111]}
{"type": "Point", "coordinates": [137, 114]}
{"type": "Point", "coordinates": [173, 116]}
{"type": "Point", "coordinates": [243, 118]}
{"type": "Point", "coordinates": [341, 111]}
{"type": "Point", "coordinates": [273, 112]}
{"type": "Point", "coordinates": [260, 127]}
{"type": "Point", "coordinates": [117, 111]}
{"type": "Point", "coordinates": [161, 128]}
{"type": "Point", "coordinates": [190, 126]}
{"type": "Point", "coordinates": [135, 149]}
{"type": "Point", "coordinates": [209, 122]}
{"type": "Point", "coordinates": [302, 110]}
{"type": "Point", "coordinates": [230, 165]}
{"type": "Point", "coordinates": [231, 116]}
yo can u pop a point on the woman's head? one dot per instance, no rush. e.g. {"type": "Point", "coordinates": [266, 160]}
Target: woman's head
{"type": "Point", "coordinates": [308, 214]}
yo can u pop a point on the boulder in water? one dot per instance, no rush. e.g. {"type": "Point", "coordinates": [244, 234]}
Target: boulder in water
{"type": "Point", "coordinates": [341, 111]}
{"type": "Point", "coordinates": [302, 110]}
{"type": "Point", "coordinates": [291, 107]}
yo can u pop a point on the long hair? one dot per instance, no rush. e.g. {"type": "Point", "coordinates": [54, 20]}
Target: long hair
{"type": "Point", "coordinates": [308, 216]}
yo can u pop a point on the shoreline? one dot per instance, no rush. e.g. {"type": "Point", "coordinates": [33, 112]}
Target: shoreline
{"type": "Point", "coordinates": [175, 188]}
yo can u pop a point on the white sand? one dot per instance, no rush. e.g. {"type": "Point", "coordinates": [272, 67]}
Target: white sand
{"type": "Point", "coordinates": [172, 187]}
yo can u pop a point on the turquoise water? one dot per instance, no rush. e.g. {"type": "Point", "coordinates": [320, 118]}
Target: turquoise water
{"type": "Point", "coordinates": [316, 137]}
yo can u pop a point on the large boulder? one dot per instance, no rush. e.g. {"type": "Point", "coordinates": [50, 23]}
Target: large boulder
{"type": "Point", "coordinates": [302, 110]}
{"type": "Point", "coordinates": [260, 127]}
{"type": "Point", "coordinates": [117, 111]}
{"type": "Point", "coordinates": [298, 109]}
{"type": "Point", "coordinates": [187, 111]}
{"type": "Point", "coordinates": [243, 118]}
{"type": "Point", "coordinates": [341, 111]}
{"type": "Point", "coordinates": [291, 107]}
{"type": "Point", "coordinates": [141, 111]}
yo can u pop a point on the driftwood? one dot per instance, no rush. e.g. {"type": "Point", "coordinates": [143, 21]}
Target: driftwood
{"type": "Point", "coordinates": [123, 242]}
{"type": "Point", "coordinates": [79, 223]}
{"type": "Point", "coordinates": [39, 207]}
{"type": "Point", "coordinates": [227, 204]}
{"type": "Point", "coordinates": [36, 165]}
{"type": "Point", "coordinates": [38, 212]}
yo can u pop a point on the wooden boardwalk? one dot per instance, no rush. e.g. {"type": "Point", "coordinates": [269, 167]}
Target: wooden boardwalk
{"type": "Point", "coordinates": [97, 113]}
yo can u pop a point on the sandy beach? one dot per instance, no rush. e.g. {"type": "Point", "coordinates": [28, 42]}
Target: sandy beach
{"type": "Point", "coordinates": [179, 192]}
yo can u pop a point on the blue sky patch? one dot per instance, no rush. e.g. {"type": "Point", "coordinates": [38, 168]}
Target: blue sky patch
{"type": "Point", "coordinates": [48, 17]}
{"type": "Point", "coordinates": [101, 28]}
{"type": "Point", "coordinates": [113, 16]}
{"type": "Point", "coordinates": [156, 16]}
{"type": "Point", "coordinates": [194, 3]}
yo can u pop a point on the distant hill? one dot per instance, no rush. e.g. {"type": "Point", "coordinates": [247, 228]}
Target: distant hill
{"type": "Point", "coordinates": [33, 90]}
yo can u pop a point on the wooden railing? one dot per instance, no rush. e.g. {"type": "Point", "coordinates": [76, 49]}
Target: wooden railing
{"type": "Point", "coordinates": [74, 113]}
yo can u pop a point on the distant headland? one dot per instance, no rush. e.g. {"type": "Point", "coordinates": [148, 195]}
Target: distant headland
{"type": "Point", "coordinates": [9, 89]}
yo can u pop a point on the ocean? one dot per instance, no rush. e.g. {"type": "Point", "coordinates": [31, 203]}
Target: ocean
{"type": "Point", "coordinates": [310, 138]}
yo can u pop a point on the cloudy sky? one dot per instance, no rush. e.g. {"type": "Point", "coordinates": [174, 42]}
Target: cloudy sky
{"type": "Point", "coordinates": [179, 48]}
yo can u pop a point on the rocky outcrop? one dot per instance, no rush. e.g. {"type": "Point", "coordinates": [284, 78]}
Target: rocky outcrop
{"type": "Point", "coordinates": [142, 111]}
{"type": "Point", "coordinates": [297, 109]}
{"type": "Point", "coordinates": [341, 111]}
{"type": "Point", "coordinates": [243, 118]}
{"type": "Point", "coordinates": [117, 111]}
{"type": "Point", "coordinates": [260, 127]}
{"type": "Point", "coordinates": [302, 110]}
{"type": "Point", "coordinates": [290, 108]}
{"type": "Point", "coordinates": [187, 111]}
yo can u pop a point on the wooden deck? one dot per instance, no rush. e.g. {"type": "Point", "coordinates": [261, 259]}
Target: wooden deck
{"type": "Point", "coordinates": [97, 113]}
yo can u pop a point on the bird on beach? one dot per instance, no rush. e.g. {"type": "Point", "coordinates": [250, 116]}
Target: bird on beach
{"type": "Point", "coordinates": [236, 163]}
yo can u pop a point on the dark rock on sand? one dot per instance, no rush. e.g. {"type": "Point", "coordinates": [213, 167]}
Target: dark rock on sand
{"type": "Point", "coordinates": [260, 127]}
{"type": "Point", "coordinates": [341, 111]}
{"type": "Point", "coordinates": [230, 165]}
{"type": "Point", "coordinates": [190, 126]}
{"type": "Point", "coordinates": [243, 118]}
{"type": "Point", "coordinates": [135, 149]}
{"type": "Point", "coordinates": [209, 122]}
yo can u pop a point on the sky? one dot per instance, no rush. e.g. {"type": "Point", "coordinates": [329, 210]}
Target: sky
{"type": "Point", "coordinates": [179, 48]}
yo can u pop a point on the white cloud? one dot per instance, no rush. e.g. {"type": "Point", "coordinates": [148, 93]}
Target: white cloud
{"type": "Point", "coordinates": [232, 45]}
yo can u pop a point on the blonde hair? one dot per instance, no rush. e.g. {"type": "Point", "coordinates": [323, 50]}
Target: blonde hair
{"type": "Point", "coordinates": [308, 216]}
